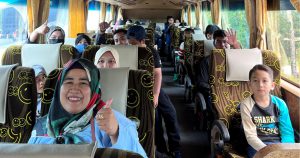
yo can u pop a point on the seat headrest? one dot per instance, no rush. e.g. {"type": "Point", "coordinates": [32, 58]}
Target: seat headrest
{"type": "Point", "coordinates": [114, 84]}
{"type": "Point", "coordinates": [47, 150]}
{"type": "Point", "coordinates": [208, 47]}
{"type": "Point", "coordinates": [70, 41]}
{"type": "Point", "coordinates": [240, 61]}
{"type": "Point", "coordinates": [128, 55]}
{"type": "Point", "coordinates": [199, 36]}
{"type": "Point", "coordinates": [46, 55]}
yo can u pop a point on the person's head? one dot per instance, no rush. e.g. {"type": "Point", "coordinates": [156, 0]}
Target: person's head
{"type": "Point", "coordinates": [261, 80]}
{"type": "Point", "coordinates": [220, 39]}
{"type": "Point", "coordinates": [103, 26]}
{"type": "Point", "coordinates": [40, 77]}
{"type": "Point", "coordinates": [120, 37]}
{"type": "Point", "coordinates": [136, 35]}
{"type": "Point", "coordinates": [55, 35]}
{"type": "Point", "coordinates": [209, 31]}
{"type": "Point", "coordinates": [107, 57]}
{"type": "Point", "coordinates": [170, 20]}
{"type": "Point", "coordinates": [76, 98]}
{"type": "Point", "coordinates": [188, 32]}
{"type": "Point", "coordinates": [81, 42]}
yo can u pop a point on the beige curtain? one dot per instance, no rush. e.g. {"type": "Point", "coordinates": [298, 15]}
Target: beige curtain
{"type": "Point", "coordinates": [198, 15]}
{"type": "Point", "coordinates": [102, 12]}
{"type": "Point", "coordinates": [182, 14]}
{"type": "Point", "coordinates": [216, 11]}
{"type": "Point", "coordinates": [77, 17]}
{"type": "Point", "coordinates": [296, 4]}
{"type": "Point", "coordinates": [120, 14]}
{"type": "Point", "coordinates": [189, 15]}
{"type": "Point", "coordinates": [261, 18]}
{"type": "Point", "coordinates": [37, 12]}
{"type": "Point", "coordinates": [113, 12]}
{"type": "Point", "coordinates": [250, 15]}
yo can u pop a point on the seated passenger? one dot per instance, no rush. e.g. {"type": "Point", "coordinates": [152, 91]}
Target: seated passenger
{"type": "Point", "coordinates": [107, 57]}
{"type": "Point", "coordinates": [40, 79]}
{"type": "Point", "coordinates": [226, 39]}
{"type": "Point", "coordinates": [54, 34]}
{"type": "Point", "coordinates": [81, 42]}
{"type": "Point", "coordinates": [265, 117]}
{"type": "Point", "coordinates": [120, 37]}
{"type": "Point", "coordinates": [209, 31]}
{"type": "Point", "coordinates": [78, 115]}
{"type": "Point", "coordinates": [100, 36]}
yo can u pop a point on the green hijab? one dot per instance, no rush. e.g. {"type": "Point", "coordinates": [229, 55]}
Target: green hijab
{"type": "Point", "coordinates": [60, 123]}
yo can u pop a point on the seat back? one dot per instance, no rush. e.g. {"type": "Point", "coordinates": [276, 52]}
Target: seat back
{"type": "Point", "coordinates": [20, 106]}
{"type": "Point", "coordinates": [226, 95]}
{"type": "Point", "coordinates": [48, 92]}
{"type": "Point", "coordinates": [175, 37]}
{"type": "Point", "coordinates": [12, 55]}
{"type": "Point", "coordinates": [109, 38]}
{"type": "Point", "coordinates": [150, 38]}
{"type": "Point", "coordinates": [140, 107]}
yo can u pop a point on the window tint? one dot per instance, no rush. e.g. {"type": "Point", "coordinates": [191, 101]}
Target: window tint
{"type": "Point", "coordinates": [283, 36]}
{"type": "Point", "coordinates": [13, 23]}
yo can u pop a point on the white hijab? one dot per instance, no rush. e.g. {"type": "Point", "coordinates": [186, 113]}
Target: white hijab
{"type": "Point", "coordinates": [105, 49]}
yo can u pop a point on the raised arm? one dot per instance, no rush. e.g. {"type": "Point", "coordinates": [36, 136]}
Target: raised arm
{"type": "Point", "coordinates": [43, 29]}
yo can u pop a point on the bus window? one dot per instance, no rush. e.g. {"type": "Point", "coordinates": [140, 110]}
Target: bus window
{"type": "Point", "coordinates": [93, 15]}
{"type": "Point", "coordinates": [234, 16]}
{"type": "Point", "coordinates": [59, 14]}
{"type": "Point", "coordinates": [283, 36]}
{"type": "Point", "coordinates": [206, 14]}
{"type": "Point", "coordinates": [13, 23]}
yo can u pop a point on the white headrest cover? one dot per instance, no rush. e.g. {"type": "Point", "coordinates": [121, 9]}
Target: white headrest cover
{"type": "Point", "coordinates": [128, 55]}
{"type": "Point", "coordinates": [46, 55]}
{"type": "Point", "coordinates": [208, 47]}
{"type": "Point", "coordinates": [240, 61]}
{"type": "Point", "coordinates": [114, 84]}
{"type": "Point", "coordinates": [47, 150]}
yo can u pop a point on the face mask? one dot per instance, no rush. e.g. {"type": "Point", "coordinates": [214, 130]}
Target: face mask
{"type": "Point", "coordinates": [54, 41]}
{"type": "Point", "coordinates": [80, 47]}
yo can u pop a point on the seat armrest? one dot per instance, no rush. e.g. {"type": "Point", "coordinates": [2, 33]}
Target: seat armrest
{"type": "Point", "coordinates": [219, 135]}
{"type": "Point", "coordinates": [201, 101]}
{"type": "Point", "coordinates": [280, 150]}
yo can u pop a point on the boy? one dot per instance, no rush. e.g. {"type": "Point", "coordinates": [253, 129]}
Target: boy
{"type": "Point", "coordinates": [40, 79]}
{"type": "Point", "coordinates": [265, 117]}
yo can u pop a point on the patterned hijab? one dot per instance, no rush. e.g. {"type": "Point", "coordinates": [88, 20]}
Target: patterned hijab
{"type": "Point", "coordinates": [60, 123]}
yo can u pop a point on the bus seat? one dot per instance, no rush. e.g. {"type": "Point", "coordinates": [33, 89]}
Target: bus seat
{"type": "Point", "coordinates": [188, 65]}
{"type": "Point", "coordinates": [70, 41]}
{"type": "Point", "coordinates": [285, 150]}
{"type": "Point", "coordinates": [199, 35]}
{"type": "Point", "coordinates": [175, 37]}
{"type": "Point", "coordinates": [128, 54]}
{"type": "Point", "coordinates": [48, 92]}
{"type": "Point", "coordinates": [140, 107]}
{"type": "Point", "coordinates": [20, 106]}
{"type": "Point", "coordinates": [114, 84]}
{"type": "Point", "coordinates": [226, 133]}
{"type": "Point", "coordinates": [109, 38]}
{"type": "Point", "coordinates": [12, 55]}
{"type": "Point", "coordinates": [62, 150]}
{"type": "Point", "coordinates": [150, 40]}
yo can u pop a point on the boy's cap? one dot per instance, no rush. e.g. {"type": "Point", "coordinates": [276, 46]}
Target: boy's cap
{"type": "Point", "coordinates": [136, 32]}
{"type": "Point", "coordinates": [38, 70]}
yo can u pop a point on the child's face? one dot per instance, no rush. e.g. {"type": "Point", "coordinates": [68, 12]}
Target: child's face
{"type": "Point", "coordinates": [40, 82]}
{"type": "Point", "coordinates": [261, 83]}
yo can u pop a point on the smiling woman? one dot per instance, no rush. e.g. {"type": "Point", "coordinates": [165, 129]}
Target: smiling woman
{"type": "Point", "coordinates": [76, 106]}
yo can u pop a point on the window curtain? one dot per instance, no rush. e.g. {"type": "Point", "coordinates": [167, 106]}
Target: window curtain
{"type": "Point", "coordinates": [216, 11]}
{"type": "Point", "coordinates": [113, 13]}
{"type": "Point", "coordinates": [261, 18]}
{"type": "Point", "coordinates": [78, 11]}
{"type": "Point", "coordinates": [296, 4]}
{"type": "Point", "coordinates": [38, 12]}
{"type": "Point", "coordinates": [250, 15]}
{"type": "Point", "coordinates": [198, 11]}
{"type": "Point", "coordinates": [102, 12]}
{"type": "Point", "coordinates": [182, 14]}
{"type": "Point", "coordinates": [189, 15]}
{"type": "Point", "coordinates": [120, 14]}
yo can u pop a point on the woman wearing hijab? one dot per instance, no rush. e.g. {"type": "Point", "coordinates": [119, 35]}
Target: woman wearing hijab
{"type": "Point", "coordinates": [54, 34]}
{"type": "Point", "coordinates": [77, 114]}
{"type": "Point", "coordinates": [81, 42]}
{"type": "Point", "coordinates": [107, 57]}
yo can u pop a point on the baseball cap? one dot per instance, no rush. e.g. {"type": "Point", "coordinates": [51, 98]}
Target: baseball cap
{"type": "Point", "coordinates": [136, 32]}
